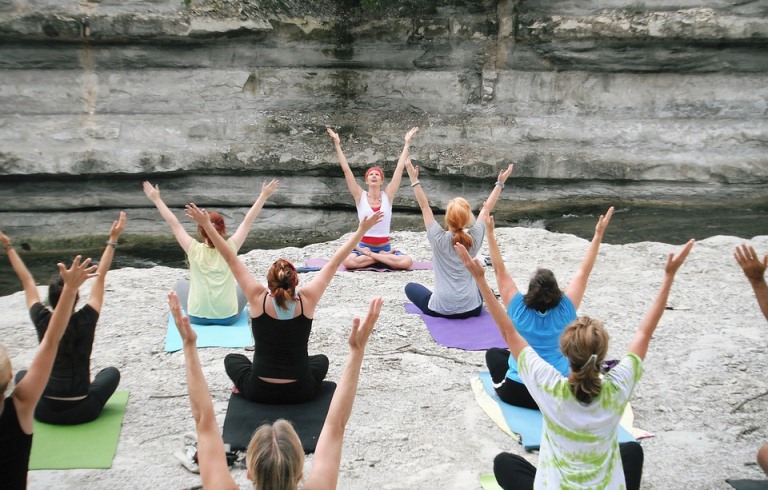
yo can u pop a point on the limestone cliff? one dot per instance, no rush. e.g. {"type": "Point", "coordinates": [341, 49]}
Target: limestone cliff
{"type": "Point", "coordinates": [649, 103]}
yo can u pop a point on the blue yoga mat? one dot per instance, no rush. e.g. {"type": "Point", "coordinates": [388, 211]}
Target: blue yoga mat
{"type": "Point", "coordinates": [525, 421]}
{"type": "Point", "coordinates": [235, 335]}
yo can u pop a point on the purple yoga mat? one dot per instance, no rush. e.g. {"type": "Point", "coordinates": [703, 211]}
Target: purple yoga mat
{"type": "Point", "coordinates": [476, 333]}
{"type": "Point", "coordinates": [417, 266]}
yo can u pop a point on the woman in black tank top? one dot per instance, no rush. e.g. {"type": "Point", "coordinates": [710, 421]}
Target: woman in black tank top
{"type": "Point", "coordinates": [282, 371]}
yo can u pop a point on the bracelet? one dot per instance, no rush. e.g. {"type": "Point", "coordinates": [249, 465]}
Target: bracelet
{"type": "Point", "coordinates": [500, 184]}
{"type": "Point", "coordinates": [111, 244]}
{"type": "Point", "coordinates": [415, 184]}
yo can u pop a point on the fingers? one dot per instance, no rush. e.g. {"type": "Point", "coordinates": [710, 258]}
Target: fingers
{"type": "Point", "coordinates": [374, 308]}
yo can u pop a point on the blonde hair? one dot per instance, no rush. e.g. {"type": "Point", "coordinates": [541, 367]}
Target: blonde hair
{"type": "Point", "coordinates": [275, 458]}
{"type": "Point", "coordinates": [458, 216]}
{"type": "Point", "coordinates": [6, 371]}
{"type": "Point", "coordinates": [585, 343]}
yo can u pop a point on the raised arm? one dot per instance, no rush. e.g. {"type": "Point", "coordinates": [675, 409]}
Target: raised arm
{"type": "Point", "coordinates": [242, 231]}
{"type": "Point", "coordinates": [316, 287]}
{"type": "Point", "coordinates": [211, 455]}
{"type": "Point", "coordinates": [397, 175]}
{"type": "Point", "coordinates": [507, 286]}
{"type": "Point", "coordinates": [31, 387]}
{"type": "Point", "coordinates": [27, 281]}
{"type": "Point", "coordinates": [349, 177]}
{"type": "Point", "coordinates": [96, 299]}
{"type": "Point", "coordinates": [327, 458]}
{"type": "Point", "coordinates": [490, 203]}
{"type": "Point", "coordinates": [577, 286]}
{"type": "Point", "coordinates": [250, 286]}
{"type": "Point", "coordinates": [153, 194]}
{"type": "Point", "coordinates": [515, 342]}
{"type": "Point", "coordinates": [639, 343]}
{"type": "Point", "coordinates": [754, 269]}
{"type": "Point", "coordinates": [418, 191]}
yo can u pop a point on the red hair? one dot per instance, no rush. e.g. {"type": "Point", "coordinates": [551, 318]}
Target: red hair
{"type": "Point", "coordinates": [281, 281]}
{"type": "Point", "coordinates": [218, 223]}
{"type": "Point", "coordinates": [374, 169]}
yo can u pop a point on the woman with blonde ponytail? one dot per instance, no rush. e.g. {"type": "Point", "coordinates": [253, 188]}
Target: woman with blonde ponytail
{"type": "Point", "coordinates": [455, 294]}
{"type": "Point", "coordinates": [282, 371]}
{"type": "Point", "coordinates": [581, 412]}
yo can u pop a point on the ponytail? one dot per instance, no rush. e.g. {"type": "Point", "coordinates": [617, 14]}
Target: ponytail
{"type": "Point", "coordinates": [585, 343]}
{"type": "Point", "coordinates": [282, 280]}
{"type": "Point", "coordinates": [458, 216]}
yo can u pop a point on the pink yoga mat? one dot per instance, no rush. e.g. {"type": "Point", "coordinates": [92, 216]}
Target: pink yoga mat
{"type": "Point", "coordinates": [475, 333]}
{"type": "Point", "coordinates": [417, 266]}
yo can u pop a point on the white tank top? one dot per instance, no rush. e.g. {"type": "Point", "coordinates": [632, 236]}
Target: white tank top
{"type": "Point", "coordinates": [380, 229]}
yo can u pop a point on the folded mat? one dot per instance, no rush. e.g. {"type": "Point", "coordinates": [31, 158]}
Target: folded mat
{"type": "Point", "coordinates": [244, 417]}
{"type": "Point", "coordinates": [488, 482]}
{"type": "Point", "coordinates": [522, 424]}
{"type": "Point", "coordinates": [748, 484]}
{"type": "Point", "coordinates": [89, 445]}
{"type": "Point", "coordinates": [235, 335]}
{"type": "Point", "coordinates": [317, 264]}
{"type": "Point", "coordinates": [475, 333]}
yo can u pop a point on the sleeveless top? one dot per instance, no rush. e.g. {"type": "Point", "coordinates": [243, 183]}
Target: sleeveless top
{"type": "Point", "coordinates": [281, 345]}
{"type": "Point", "coordinates": [380, 229]}
{"type": "Point", "coordinates": [15, 447]}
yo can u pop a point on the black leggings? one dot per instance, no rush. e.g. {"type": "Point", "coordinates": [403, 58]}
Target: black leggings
{"type": "Point", "coordinates": [514, 472]}
{"type": "Point", "coordinates": [240, 370]}
{"type": "Point", "coordinates": [509, 391]}
{"type": "Point", "coordinates": [71, 412]}
{"type": "Point", "coordinates": [419, 295]}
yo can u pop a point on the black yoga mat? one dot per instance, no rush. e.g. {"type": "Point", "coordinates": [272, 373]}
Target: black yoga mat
{"type": "Point", "coordinates": [749, 484]}
{"type": "Point", "coordinates": [244, 417]}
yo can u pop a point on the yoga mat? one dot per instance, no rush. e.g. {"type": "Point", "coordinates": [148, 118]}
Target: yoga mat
{"type": "Point", "coordinates": [244, 417]}
{"type": "Point", "coordinates": [475, 333]}
{"type": "Point", "coordinates": [523, 422]}
{"type": "Point", "coordinates": [488, 482]}
{"type": "Point", "coordinates": [89, 445]}
{"type": "Point", "coordinates": [235, 335]}
{"type": "Point", "coordinates": [316, 264]}
{"type": "Point", "coordinates": [748, 484]}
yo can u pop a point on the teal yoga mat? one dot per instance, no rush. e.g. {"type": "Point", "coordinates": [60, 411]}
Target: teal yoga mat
{"type": "Point", "coordinates": [525, 421]}
{"type": "Point", "coordinates": [236, 335]}
{"type": "Point", "coordinates": [89, 445]}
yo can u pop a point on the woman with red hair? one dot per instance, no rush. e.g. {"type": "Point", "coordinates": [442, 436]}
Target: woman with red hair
{"type": "Point", "coordinates": [282, 371]}
{"type": "Point", "coordinates": [375, 247]}
{"type": "Point", "coordinates": [456, 294]}
{"type": "Point", "coordinates": [210, 296]}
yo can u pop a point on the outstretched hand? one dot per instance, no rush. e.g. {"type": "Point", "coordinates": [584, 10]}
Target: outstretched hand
{"type": "Point", "coordinates": [675, 261]}
{"type": "Point", "coordinates": [369, 221]}
{"type": "Point", "coordinates": [188, 334]}
{"type": "Point", "coordinates": [505, 173]}
{"type": "Point", "coordinates": [750, 262]}
{"type": "Point", "coordinates": [358, 337]}
{"type": "Point", "coordinates": [4, 239]}
{"type": "Point", "coordinates": [152, 191]}
{"type": "Point", "coordinates": [78, 272]}
{"type": "Point", "coordinates": [199, 216]}
{"type": "Point", "coordinates": [269, 188]}
{"type": "Point", "coordinates": [334, 136]}
{"type": "Point", "coordinates": [473, 265]}
{"type": "Point", "coordinates": [490, 226]}
{"type": "Point", "coordinates": [409, 135]}
{"type": "Point", "coordinates": [602, 222]}
{"type": "Point", "coordinates": [117, 227]}
{"type": "Point", "coordinates": [413, 170]}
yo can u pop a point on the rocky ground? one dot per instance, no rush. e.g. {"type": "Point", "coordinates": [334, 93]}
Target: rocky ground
{"type": "Point", "coordinates": [415, 422]}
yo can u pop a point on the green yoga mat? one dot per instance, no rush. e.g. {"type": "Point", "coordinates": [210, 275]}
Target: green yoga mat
{"type": "Point", "coordinates": [89, 445]}
{"type": "Point", "coordinates": [488, 482]}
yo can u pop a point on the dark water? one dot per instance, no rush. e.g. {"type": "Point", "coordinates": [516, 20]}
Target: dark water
{"type": "Point", "coordinates": [628, 225]}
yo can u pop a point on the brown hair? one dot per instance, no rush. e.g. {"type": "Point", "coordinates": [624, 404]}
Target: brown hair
{"type": "Point", "coordinates": [458, 215]}
{"type": "Point", "coordinates": [543, 291]}
{"type": "Point", "coordinates": [218, 224]}
{"type": "Point", "coordinates": [281, 281]}
{"type": "Point", "coordinates": [275, 458]}
{"type": "Point", "coordinates": [5, 369]}
{"type": "Point", "coordinates": [584, 338]}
